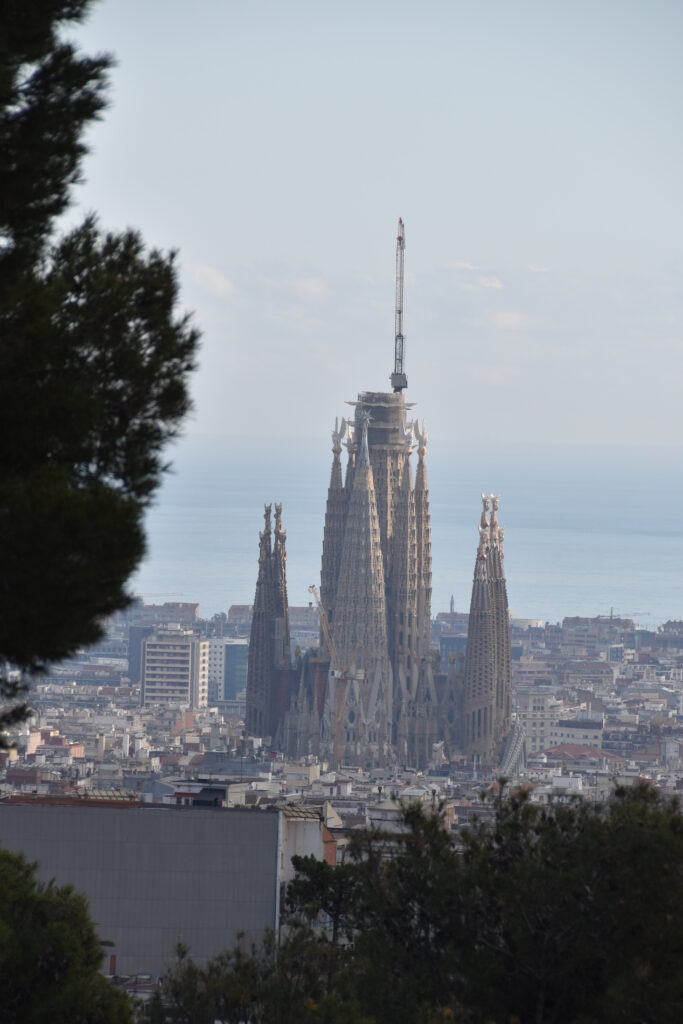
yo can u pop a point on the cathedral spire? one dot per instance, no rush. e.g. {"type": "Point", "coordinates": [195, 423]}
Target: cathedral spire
{"type": "Point", "coordinates": [479, 696]}
{"type": "Point", "coordinates": [421, 437]}
{"type": "Point", "coordinates": [337, 434]}
{"type": "Point", "coordinates": [502, 628]}
{"type": "Point", "coordinates": [359, 627]}
{"type": "Point", "coordinates": [333, 535]}
{"type": "Point", "coordinates": [494, 540]}
{"type": "Point", "coordinates": [351, 449]}
{"type": "Point", "coordinates": [402, 625]}
{"type": "Point", "coordinates": [259, 666]}
{"type": "Point", "coordinates": [484, 522]}
{"type": "Point", "coordinates": [424, 543]}
{"type": "Point", "coordinates": [281, 652]}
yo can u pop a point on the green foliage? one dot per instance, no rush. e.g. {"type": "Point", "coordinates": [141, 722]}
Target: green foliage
{"type": "Point", "coordinates": [50, 954]}
{"type": "Point", "coordinates": [94, 360]}
{"type": "Point", "coordinates": [320, 889]}
{"type": "Point", "coordinates": [568, 914]}
{"type": "Point", "coordinates": [48, 95]}
{"type": "Point", "coordinates": [255, 986]}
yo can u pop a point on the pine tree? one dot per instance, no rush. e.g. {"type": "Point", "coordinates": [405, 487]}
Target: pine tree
{"type": "Point", "coordinates": [50, 954]}
{"type": "Point", "coordinates": [94, 360]}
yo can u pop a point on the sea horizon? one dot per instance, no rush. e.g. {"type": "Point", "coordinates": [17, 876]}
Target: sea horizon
{"type": "Point", "coordinates": [589, 529]}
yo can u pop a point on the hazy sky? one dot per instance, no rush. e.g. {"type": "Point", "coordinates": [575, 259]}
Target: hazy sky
{"type": "Point", "coordinates": [534, 151]}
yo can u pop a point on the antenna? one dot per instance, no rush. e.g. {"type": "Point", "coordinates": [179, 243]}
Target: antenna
{"type": "Point", "coordinates": [399, 381]}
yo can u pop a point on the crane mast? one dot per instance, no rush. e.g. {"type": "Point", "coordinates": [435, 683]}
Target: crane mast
{"type": "Point", "coordinates": [399, 381]}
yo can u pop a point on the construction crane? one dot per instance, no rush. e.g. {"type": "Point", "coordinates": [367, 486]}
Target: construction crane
{"type": "Point", "coordinates": [399, 381]}
{"type": "Point", "coordinates": [341, 677]}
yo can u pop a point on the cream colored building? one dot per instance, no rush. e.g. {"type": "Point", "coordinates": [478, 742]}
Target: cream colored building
{"type": "Point", "coordinates": [538, 712]}
{"type": "Point", "coordinates": [585, 732]}
{"type": "Point", "coordinates": [175, 668]}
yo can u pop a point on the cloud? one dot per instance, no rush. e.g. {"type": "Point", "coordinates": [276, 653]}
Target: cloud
{"type": "Point", "coordinates": [460, 265]}
{"type": "Point", "coordinates": [311, 288]}
{"type": "Point", "coordinates": [214, 281]}
{"type": "Point", "coordinates": [483, 282]}
{"type": "Point", "coordinates": [489, 282]}
{"type": "Point", "coordinates": [538, 270]}
{"type": "Point", "coordinates": [511, 321]}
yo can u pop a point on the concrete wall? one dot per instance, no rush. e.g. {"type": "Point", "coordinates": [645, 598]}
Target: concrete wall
{"type": "Point", "coordinates": [301, 837]}
{"type": "Point", "coordinates": [156, 876]}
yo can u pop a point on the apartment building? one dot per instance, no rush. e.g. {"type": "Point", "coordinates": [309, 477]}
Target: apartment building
{"type": "Point", "coordinates": [175, 668]}
{"type": "Point", "coordinates": [538, 711]}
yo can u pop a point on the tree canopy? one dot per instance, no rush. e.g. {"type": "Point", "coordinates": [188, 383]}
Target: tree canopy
{"type": "Point", "coordinates": [50, 954]}
{"type": "Point", "coordinates": [94, 358]}
{"type": "Point", "coordinates": [568, 914]}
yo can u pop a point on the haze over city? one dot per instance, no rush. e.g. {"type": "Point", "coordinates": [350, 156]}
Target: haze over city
{"type": "Point", "coordinates": [532, 155]}
{"type": "Point", "coordinates": [531, 150]}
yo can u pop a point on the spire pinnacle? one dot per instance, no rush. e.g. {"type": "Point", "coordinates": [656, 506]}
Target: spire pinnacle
{"type": "Point", "coordinates": [495, 502]}
{"type": "Point", "coordinates": [399, 381]}
{"type": "Point", "coordinates": [364, 459]}
{"type": "Point", "coordinates": [484, 524]}
{"type": "Point", "coordinates": [337, 434]}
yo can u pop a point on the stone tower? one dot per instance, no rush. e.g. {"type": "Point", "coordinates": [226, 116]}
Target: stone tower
{"type": "Point", "coordinates": [375, 697]}
{"type": "Point", "coordinates": [502, 627]}
{"type": "Point", "coordinates": [335, 517]}
{"type": "Point", "coordinates": [357, 721]}
{"type": "Point", "coordinates": [486, 701]}
{"type": "Point", "coordinates": [404, 557]}
{"type": "Point", "coordinates": [404, 561]}
{"type": "Point", "coordinates": [269, 644]}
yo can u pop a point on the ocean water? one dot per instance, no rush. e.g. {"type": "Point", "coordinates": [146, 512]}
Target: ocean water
{"type": "Point", "coordinates": [587, 530]}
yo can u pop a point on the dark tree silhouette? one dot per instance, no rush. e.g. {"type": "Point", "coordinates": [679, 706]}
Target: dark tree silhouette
{"type": "Point", "coordinates": [50, 954]}
{"type": "Point", "coordinates": [94, 360]}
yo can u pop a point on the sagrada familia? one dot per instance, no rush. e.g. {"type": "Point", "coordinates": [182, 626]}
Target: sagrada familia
{"type": "Point", "coordinates": [373, 693]}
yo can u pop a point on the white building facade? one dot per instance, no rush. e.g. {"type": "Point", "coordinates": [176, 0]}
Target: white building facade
{"type": "Point", "coordinates": [175, 668]}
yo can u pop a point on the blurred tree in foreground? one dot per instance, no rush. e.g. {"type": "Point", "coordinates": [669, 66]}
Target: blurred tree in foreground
{"type": "Point", "coordinates": [94, 360]}
{"type": "Point", "coordinates": [569, 914]}
{"type": "Point", "coordinates": [50, 955]}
